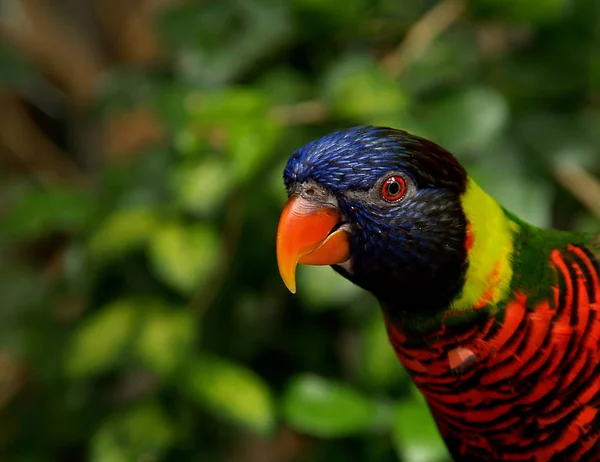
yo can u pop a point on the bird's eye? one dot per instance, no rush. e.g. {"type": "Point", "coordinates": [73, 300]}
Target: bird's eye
{"type": "Point", "coordinates": [393, 188]}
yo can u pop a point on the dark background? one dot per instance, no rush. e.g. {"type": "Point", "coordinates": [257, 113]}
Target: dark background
{"type": "Point", "coordinates": [141, 150]}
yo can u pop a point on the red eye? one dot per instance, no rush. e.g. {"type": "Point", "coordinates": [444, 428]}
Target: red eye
{"type": "Point", "coordinates": [393, 188]}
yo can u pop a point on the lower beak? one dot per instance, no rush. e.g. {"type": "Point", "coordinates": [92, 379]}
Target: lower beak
{"type": "Point", "coordinates": [305, 235]}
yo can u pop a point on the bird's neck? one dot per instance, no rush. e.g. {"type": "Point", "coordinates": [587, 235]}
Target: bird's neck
{"type": "Point", "coordinates": [490, 243]}
{"type": "Point", "coordinates": [486, 282]}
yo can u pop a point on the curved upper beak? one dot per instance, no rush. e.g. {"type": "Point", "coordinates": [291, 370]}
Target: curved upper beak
{"type": "Point", "coordinates": [308, 234]}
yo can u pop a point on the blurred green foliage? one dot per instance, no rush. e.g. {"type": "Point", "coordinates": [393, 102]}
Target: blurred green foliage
{"type": "Point", "coordinates": [168, 334]}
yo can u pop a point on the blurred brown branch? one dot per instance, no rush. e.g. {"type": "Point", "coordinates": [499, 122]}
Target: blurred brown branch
{"type": "Point", "coordinates": [207, 292]}
{"type": "Point", "coordinates": [55, 46]}
{"type": "Point", "coordinates": [127, 133]}
{"type": "Point", "coordinates": [129, 28]}
{"type": "Point", "coordinates": [416, 42]}
{"type": "Point", "coordinates": [286, 445]}
{"type": "Point", "coordinates": [584, 186]}
{"type": "Point", "coordinates": [24, 142]}
{"type": "Point", "coordinates": [12, 377]}
{"type": "Point", "coordinates": [422, 34]}
{"type": "Point", "coordinates": [74, 59]}
{"type": "Point", "coordinates": [306, 112]}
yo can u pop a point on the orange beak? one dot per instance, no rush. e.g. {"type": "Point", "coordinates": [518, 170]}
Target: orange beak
{"type": "Point", "coordinates": [305, 236]}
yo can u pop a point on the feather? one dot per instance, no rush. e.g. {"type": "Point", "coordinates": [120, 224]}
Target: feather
{"type": "Point", "coordinates": [497, 321]}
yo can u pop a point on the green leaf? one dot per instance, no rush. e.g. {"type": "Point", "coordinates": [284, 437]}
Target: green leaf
{"type": "Point", "coordinates": [17, 72]}
{"type": "Point", "coordinates": [165, 338]}
{"type": "Point", "coordinates": [379, 366]}
{"type": "Point", "coordinates": [141, 433]}
{"type": "Point", "coordinates": [102, 339]}
{"type": "Point", "coordinates": [285, 86]}
{"type": "Point", "coordinates": [276, 191]}
{"type": "Point", "coordinates": [453, 58]}
{"type": "Point", "coordinates": [323, 288]}
{"type": "Point", "coordinates": [201, 188]}
{"type": "Point", "coordinates": [325, 409]}
{"type": "Point", "coordinates": [240, 121]}
{"type": "Point", "coordinates": [505, 178]}
{"type": "Point", "coordinates": [586, 223]}
{"type": "Point", "coordinates": [170, 103]}
{"type": "Point", "coordinates": [190, 142]}
{"type": "Point", "coordinates": [231, 391]}
{"type": "Point", "coordinates": [220, 40]}
{"type": "Point", "coordinates": [416, 436]}
{"type": "Point", "coordinates": [230, 106]}
{"type": "Point", "coordinates": [185, 256]}
{"type": "Point", "coordinates": [250, 145]}
{"type": "Point", "coordinates": [567, 138]}
{"type": "Point", "coordinates": [332, 12]}
{"type": "Point", "coordinates": [123, 231]}
{"type": "Point", "coordinates": [357, 88]}
{"type": "Point", "coordinates": [123, 88]}
{"type": "Point", "coordinates": [44, 210]}
{"type": "Point", "coordinates": [529, 198]}
{"type": "Point", "coordinates": [535, 12]}
{"type": "Point", "coordinates": [467, 120]}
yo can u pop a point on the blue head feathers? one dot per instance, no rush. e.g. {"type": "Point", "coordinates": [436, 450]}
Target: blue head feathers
{"type": "Point", "coordinates": [353, 158]}
{"type": "Point", "coordinates": [405, 246]}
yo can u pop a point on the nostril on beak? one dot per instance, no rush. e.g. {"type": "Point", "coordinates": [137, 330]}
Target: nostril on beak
{"type": "Point", "coordinates": [310, 191]}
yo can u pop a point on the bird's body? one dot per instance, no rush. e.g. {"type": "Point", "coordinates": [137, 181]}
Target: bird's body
{"type": "Point", "coordinates": [521, 380]}
{"type": "Point", "coordinates": [497, 321]}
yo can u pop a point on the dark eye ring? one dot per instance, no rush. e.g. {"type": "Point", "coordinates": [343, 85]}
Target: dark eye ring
{"type": "Point", "coordinates": [393, 188]}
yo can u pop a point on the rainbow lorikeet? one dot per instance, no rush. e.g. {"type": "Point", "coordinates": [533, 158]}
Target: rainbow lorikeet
{"type": "Point", "coordinates": [497, 321]}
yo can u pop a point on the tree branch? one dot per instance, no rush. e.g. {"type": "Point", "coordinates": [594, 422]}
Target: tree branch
{"type": "Point", "coordinates": [306, 112]}
{"type": "Point", "coordinates": [421, 35]}
{"type": "Point", "coordinates": [584, 186]}
{"type": "Point", "coordinates": [54, 46]}
{"type": "Point", "coordinates": [30, 148]}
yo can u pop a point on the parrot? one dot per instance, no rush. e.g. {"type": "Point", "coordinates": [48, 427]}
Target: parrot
{"type": "Point", "coordinates": [496, 321]}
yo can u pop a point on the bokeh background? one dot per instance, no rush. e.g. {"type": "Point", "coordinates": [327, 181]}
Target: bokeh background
{"type": "Point", "coordinates": [141, 150]}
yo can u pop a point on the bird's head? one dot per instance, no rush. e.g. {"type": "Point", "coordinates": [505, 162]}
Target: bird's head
{"type": "Point", "coordinates": [385, 209]}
